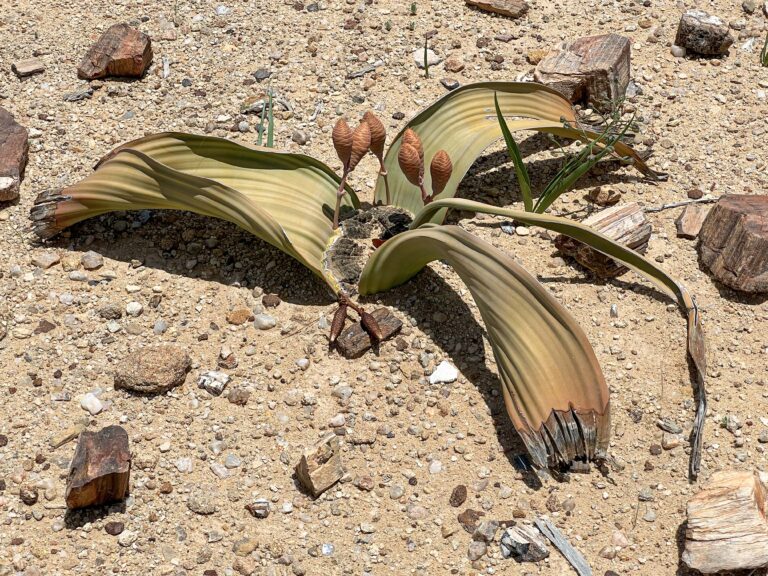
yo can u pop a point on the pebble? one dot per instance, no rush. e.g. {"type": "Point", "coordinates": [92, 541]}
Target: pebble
{"type": "Point", "coordinates": [91, 403]}
{"type": "Point", "coordinates": [435, 467]}
{"type": "Point", "coordinates": [265, 321]}
{"type": "Point", "coordinates": [444, 373]}
{"type": "Point", "coordinates": [160, 326]}
{"type": "Point", "coordinates": [114, 528]}
{"type": "Point", "coordinates": [671, 441]}
{"type": "Point", "coordinates": [134, 309]}
{"type": "Point", "coordinates": [127, 538]}
{"type": "Point", "coordinates": [458, 496]}
{"type": "Point", "coordinates": [45, 260]}
{"type": "Point", "coordinates": [649, 516]}
{"type": "Point", "coordinates": [213, 382]}
{"type": "Point", "coordinates": [92, 260]}
{"type": "Point", "coordinates": [432, 58]}
{"type": "Point", "coordinates": [232, 461]}
{"type": "Point", "coordinates": [486, 531]}
{"type": "Point", "coordinates": [450, 84]}
{"type": "Point", "coordinates": [337, 421]}
{"type": "Point", "coordinates": [202, 500]}
{"type": "Point", "coordinates": [259, 508]}
{"type": "Point", "coordinates": [476, 550]}
{"type": "Point", "coordinates": [300, 137]}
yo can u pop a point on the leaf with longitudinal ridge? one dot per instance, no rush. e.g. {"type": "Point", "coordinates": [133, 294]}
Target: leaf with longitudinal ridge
{"type": "Point", "coordinates": [632, 260]}
{"type": "Point", "coordinates": [464, 123]}
{"type": "Point", "coordinates": [285, 199]}
{"type": "Point", "coordinates": [553, 387]}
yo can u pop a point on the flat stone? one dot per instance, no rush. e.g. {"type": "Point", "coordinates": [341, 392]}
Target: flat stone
{"type": "Point", "coordinates": [239, 316]}
{"type": "Point", "coordinates": [14, 151]}
{"type": "Point", "coordinates": [354, 341]}
{"type": "Point", "coordinates": [153, 370]}
{"type": "Point", "coordinates": [690, 220]}
{"type": "Point", "coordinates": [444, 373]}
{"type": "Point", "coordinates": [100, 469]}
{"type": "Point", "coordinates": [121, 51]}
{"type": "Point", "coordinates": [92, 260]}
{"type": "Point", "coordinates": [46, 259]}
{"type": "Point", "coordinates": [432, 58]}
{"type": "Point", "coordinates": [703, 33]}
{"type": "Point", "coordinates": [202, 500]}
{"type": "Point", "coordinates": [28, 67]}
{"type": "Point", "coordinates": [524, 543]}
{"type": "Point", "coordinates": [593, 70]}
{"type": "Point", "coordinates": [320, 466]}
{"type": "Point", "coordinates": [509, 8]}
{"type": "Point", "coordinates": [458, 496]}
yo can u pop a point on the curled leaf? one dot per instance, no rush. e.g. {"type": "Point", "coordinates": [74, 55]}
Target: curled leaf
{"type": "Point", "coordinates": [361, 141]}
{"type": "Point", "coordinates": [440, 170]}
{"type": "Point", "coordinates": [378, 134]}
{"type": "Point", "coordinates": [342, 141]}
{"type": "Point", "coordinates": [410, 163]}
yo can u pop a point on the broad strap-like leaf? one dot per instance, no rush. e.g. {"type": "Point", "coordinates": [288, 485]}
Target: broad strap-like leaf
{"type": "Point", "coordinates": [633, 261]}
{"type": "Point", "coordinates": [464, 123]}
{"type": "Point", "coordinates": [553, 387]}
{"type": "Point", "coordinates": [284, 199]}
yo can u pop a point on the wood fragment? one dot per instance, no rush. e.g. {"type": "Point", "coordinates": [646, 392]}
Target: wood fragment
{"type": "Point", "coordinates": [679, 204]}
{"type": "Point", "coordinates": [623, 223]}
{"type": "Point", "coordinates": [690, 220]}
{"type": "Point", "coordinates": [367, 70]}
{"type": "Point", "coordinates": [355, 340]}
{"type": "Point", "coordinates": [510, 8]}
{"type": "Point", "coordinates": [100, 469]}
{"type": "Point", "coordinates": [121, 51]}
{"type": "Point", "coordinates": [28, 67]}
{"type": "Point", "coordinates": [734, 242]}
{"type": "Point", "coordinates": [726, 527]}
{"type": "Point", "coordinates": [592, 70]}
{"type": "Point", "coordinates": [558, 540]}
{"type": "Point", "coordinates": [320, 466]}
{"type": "Point", "coordinates": [14, 150]}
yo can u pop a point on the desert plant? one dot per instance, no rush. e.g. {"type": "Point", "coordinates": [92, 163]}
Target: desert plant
{"type": "Point", "coordinates": [764, 53]}
{"type": "Point", "coordinates": [426, 58]}
{"type": "Point", "coordinates": [554, 390]}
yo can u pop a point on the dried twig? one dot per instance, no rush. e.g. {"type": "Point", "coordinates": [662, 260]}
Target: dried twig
{"type": "Point", "coordinates": [366, 70]}
{"type": "Point", "coordinates": [558, 540]}
{"type": "Point", "coordinates": [683, 203]}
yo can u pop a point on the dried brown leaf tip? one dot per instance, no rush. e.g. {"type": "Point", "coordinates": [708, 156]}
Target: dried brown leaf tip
{"type": "Point", "coordinates": [361, 141]}
{"type": "Point", "coordinates": [378, 134]}
{"type": "Point", "coordinates": [440, 169]}
{"type": "Point", "coordinates": [337, 325]}
{"type": "Point", "coordinates": [410, 163]}
{"type": "Point", "coordinates": [371, 326]}
{"type": "Point", "coordinates": [410, 137]}
{"type": "Point", "coordinates": [342, 141]}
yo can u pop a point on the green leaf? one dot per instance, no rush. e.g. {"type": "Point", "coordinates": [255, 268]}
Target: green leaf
{"type": "Point", "coordinates": [553, 387]}
{"type": "Point", "coordinates": [633, 261]}
{"type": "Point", "coordinates": [523, 179]}
{"type": "Point", "coordinates": [285, 199]}
{"type": "Point", "coordinates": [463, 123]}
{"type": "Point", "coordinates": [271, 127]}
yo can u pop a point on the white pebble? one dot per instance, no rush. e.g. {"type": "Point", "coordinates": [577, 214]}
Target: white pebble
{"type": "Point", "coordinates": [91, 403]}
{"type": "Point", "coordinates": [444, 373]}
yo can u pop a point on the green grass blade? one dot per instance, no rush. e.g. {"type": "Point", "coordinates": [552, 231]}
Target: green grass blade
{"type": "Point", "coordinates": [633, 261]}
{"type": "Point", "coordinates": [260, 139]}
{"type": "Point", "coordinates": [271, 128]}
{"type": "Point", "coordinates": [514, 153]}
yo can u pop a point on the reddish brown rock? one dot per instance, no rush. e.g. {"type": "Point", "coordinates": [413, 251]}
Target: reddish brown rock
{"type": "Point", "coordinates": [100, 469]}
{"type": "Point", "coordinates": [28, 67]}
{"type": "Point", "coordinates": [121, 51]}
{"type": "Point", "coordinates": [734, 242]}
{"type": "Point", "coordinates": [690, 220]}
{"type": "Point", "coordinates": [14, 150]}
{"type": "Point", "coordinates": [355, 341]}
{"type": "Point", "coordinates": [511, 8]}
{"type": "Point", "coordinates": [594, 70]}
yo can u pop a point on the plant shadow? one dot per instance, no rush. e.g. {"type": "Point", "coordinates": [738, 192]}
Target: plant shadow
{"type": "Point", "coordinates": [461, 339]}
{"type": "Point", "coordinates": [194, 246]}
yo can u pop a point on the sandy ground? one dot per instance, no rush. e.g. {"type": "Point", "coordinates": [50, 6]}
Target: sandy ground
{"type": "Point", "coordinates": [707, 123]}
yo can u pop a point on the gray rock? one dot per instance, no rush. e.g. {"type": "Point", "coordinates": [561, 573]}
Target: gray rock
{"type": "Point", "coordinates": [153, 370]}
{"type": "Point", "coordinates": [524, 543]}
{"type": "Point", "coordinates": [476, 550]}
{"type": "Point", "coordinates": [213, 382]}
{"type": "Point", "coordinates": [432, 58]}
{"type": "Point", "coordinates": [300, 137]}
{"type": "Point", "coordinates": [265, 321]}
{"type": "Point", "coordinates": [92, 260]}
{"type": "Point", "coordinates": [703, 33]}
{"type": "Point", "coordinates": [259, 508]}
{"type": "Point", "coordinates": [202, 500]}
{"type": "Point", "coordinates": [486, 531]}
{"type": "Point", "coordinates": [45, 260]}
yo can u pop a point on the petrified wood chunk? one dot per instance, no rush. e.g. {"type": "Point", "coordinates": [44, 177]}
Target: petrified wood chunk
{"type": "Point", "coordinates": [727, 528]}
{"type": "Point", "coordinates": [594, 70]}
{"type": "Point", "coordinates": [511, 8]}
{"type": "Point", "coordinates": [624, 223]}
{"type": "Point", "coordinates": [690, 220]}
{"type": "Point", "coordinates": [703, 33]}
{"type": "Point", "coordinates": [100, 469]}
{"type": "Point", "coordinates": [120, 51]}
{"type": "Point", "coordinates": [734, 242]}
{"type": "Point", "coordinates": [320, 466]}
{"type": "Point", "coordinates": [28, 67]}
{"type": "Point", "coordinates": [14, 148]}
{"type": "Point", "coordinates": [354, 341]}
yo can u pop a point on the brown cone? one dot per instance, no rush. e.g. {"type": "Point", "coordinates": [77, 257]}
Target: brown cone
{"type": "Point", "coordinates": [337, 325]}
{"type": "Point", "coordinates": [378, 134]}
{"type": "Point", "coordinates": [440, 169]}
{"type": "Point", "coordinates": [361, 141]}
{"type": "Point", "coordinates": [371, 326]}
{"type": "Point", "coordinates": [410, 137]}
{"type": "Point", "coordinates": [342, 141]}
{"type": "Point", "coordinates": [410, 163]}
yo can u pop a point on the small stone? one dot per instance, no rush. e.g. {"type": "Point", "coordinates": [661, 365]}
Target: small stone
{"type": "Point", "coordinates": [524, 543]}
{"type": "Point", "coordinates": [619, 539]}
{"type": "Point", "coordinates": [92, 260]}
{"type": "Point", "coordinates": [690, 221]}
{"type": "Point", "coordinates": [671, 441]}
{"type": "Point", "coordinates": [435, 467]}
{"type": "Point", "coordinates": [239, 396]}
{"type": "Point", "coordinates": [486, 531]}
{"type": "Point", "coordinates": [337, 421]}
{"type": "Point", "coordinates": [469, 519]}
{"type": "Point", "coordinates": [458, 496]}
{"type": "Point", "coordinates": [607, 552]}
{"type": "Point", "coordinates": [649, 516]}
{"type": "Point", "coordinates": [476, 550]}
{"type": "Point", "coordinates": [265, 321]}
{"type": "Point", "coordinates": [320, 466]}
{"type": "Point", "coordinates": [127, 538]}
{"type": "Point", "coordinates": [416, 512]}
{"type": "Point", "coordinates": [703, 33]}
{"type": "Point", "coordinates": [134, 309]}
{"type": "Point", "coordinates": [678, 51]}
{"type": "Point", "coordinates": [160, 326]}
{"type": "Point", "coordinates": [213, 382]}
{"type": "Point", "coordinates": [239, 316]}
{"type": "Point", "coordinates": [669, 426]}
{"type": "Point", "coordinates": [300, 137]}
{"type": "Point", "coordinates": [655, 449]}
{"type": "Point", "coordinates": [749, 6]}
{"type": "Point", "coordinates": [28, 67]}
{"type": "Point", "coordinates": [153, 369]}
{"type": "Point", "coordinates": [444, 373]}
{"type": "Point", "coordinates": [121, 52]}
{"type": "Point", "coordinates": [28, 494]}
{"type": "Point", "coordinates": [45, 260]}
{"type": "Point", "coordinates": [645, 495]}
{"type": "Point", "coordinates": [262, 74]}
{"type": "Point", "coordinates": [113, 528]}
{"type": "Point", "coordinates": [14, 152]}
{"type": "Point", "coordinates": [454, 65]}
{"type": "Point", "coordinates": [432, 58]}
{"type": "Point", "coordinates": [510, 8]}
{"type": "Point", "coordinates": [91, 403]}
{"type": "Point", "coordinates": [259, 508]}
{"type": "Point", "coordinates": [270, 300]}
{"type": "Point", "coordinates": [202, 500]}
{"type": "Point", "coordinates": [450, 84]}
